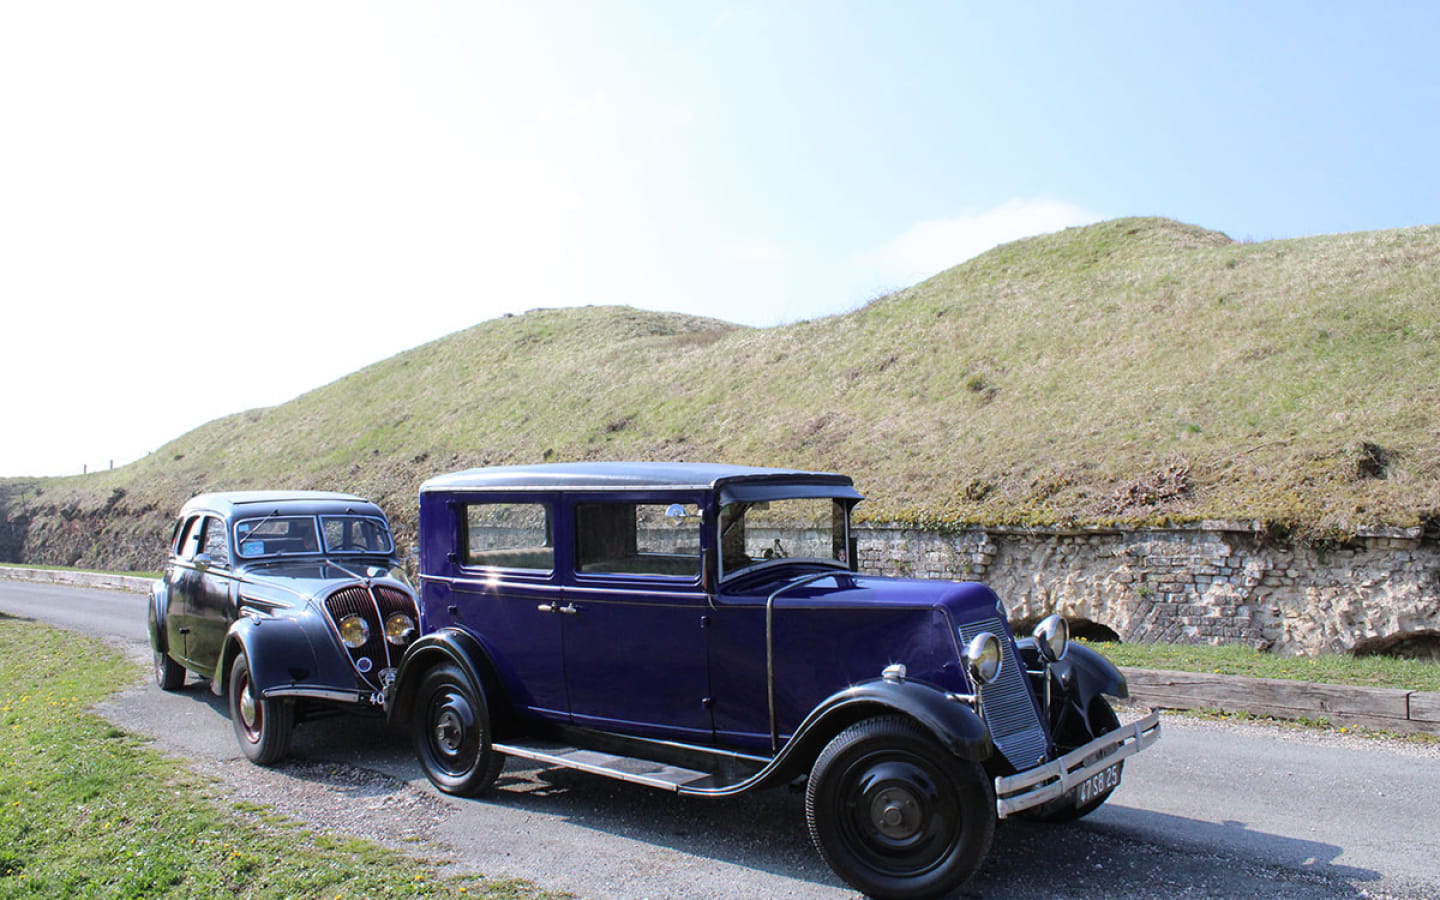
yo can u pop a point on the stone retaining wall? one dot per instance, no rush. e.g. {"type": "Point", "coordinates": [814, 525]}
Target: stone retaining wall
{"type": "Point", "coordinates": [1207, 584]}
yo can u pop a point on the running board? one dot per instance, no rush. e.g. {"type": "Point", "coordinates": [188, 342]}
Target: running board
{"type": "Point", "coordinates": [625, 768]}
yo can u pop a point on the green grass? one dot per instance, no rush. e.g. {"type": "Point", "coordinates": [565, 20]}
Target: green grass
{"type": "Point", "coordinates": [1138, 371]}
{"type": "Point", "coordinates": [1369, 671]}
{"type": "Point", "coordinates": [86, 811]}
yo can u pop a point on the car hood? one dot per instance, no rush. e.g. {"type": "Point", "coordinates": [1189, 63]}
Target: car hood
{"type": "Point", "coordinates": [963, 600]}
{"type": "Point", "coordinates": [314, 578]}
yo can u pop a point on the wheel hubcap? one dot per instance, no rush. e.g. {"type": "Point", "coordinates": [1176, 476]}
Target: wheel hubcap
{"type": "Point", "coordinates": [449, 732]}
{"type": "Point", "coordinates": [896, 813]}
{"type": "Point", "coordinates": [249, 711]}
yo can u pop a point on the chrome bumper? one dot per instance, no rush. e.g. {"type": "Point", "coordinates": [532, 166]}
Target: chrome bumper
{"type": "Point", "coordinates": [1014, 793]}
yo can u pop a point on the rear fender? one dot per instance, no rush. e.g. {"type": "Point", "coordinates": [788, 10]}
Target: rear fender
{"type": "Point", "coordinates": [155, 618]}
{"type": "Point", "coordinates": [448, 645]}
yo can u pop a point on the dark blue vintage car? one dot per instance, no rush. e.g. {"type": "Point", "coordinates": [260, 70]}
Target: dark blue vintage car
{"type": "Point", "coordinates": [703, 629]}
{"type": "Point", "coordinates": [291, 603]}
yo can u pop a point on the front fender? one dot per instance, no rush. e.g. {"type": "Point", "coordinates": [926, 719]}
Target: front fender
{"type": "Point", "coordinates": [450, 645]}
{"type": "Point", "coordinates": [1085, 675]}
{"type": "Point", "coordinates": [283, 658]}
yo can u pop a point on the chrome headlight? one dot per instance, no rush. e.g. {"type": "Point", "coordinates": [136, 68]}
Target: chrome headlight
{"type": "Point", "coordinates": [1052, 637]}
{"type": "Point", "coordinates": [982, 658]}
{"type": "Point", "coordinates": [399, 628]}
{"type": "Point", "coordinates": [354, 631]}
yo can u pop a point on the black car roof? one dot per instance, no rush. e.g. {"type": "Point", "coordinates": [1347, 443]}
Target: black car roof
{"type": "Point", "coordinates": [262, 503]}
{"type": "Point", "coordinates": [593, 476]}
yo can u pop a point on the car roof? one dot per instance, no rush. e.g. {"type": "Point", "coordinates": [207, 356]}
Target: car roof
{"type": "Point", "coordinates": [594, 476]}
{"type": "Point", "coordinates": [261, 503]}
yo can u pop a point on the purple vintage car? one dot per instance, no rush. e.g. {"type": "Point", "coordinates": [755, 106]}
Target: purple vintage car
{"type": "Point", "coordinates": [703, 629]}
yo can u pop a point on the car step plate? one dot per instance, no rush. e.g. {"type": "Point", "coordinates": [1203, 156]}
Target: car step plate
{"type": "Point", "coordinates": [624, 768]}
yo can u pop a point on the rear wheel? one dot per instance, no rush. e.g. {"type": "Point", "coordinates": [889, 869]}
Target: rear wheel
{"type": "Point", "coordinates": [263, 727]}
{"type": "Point", "coordinates": [169, 674]}
{"type": "Point", "coordinates": [452, 733]}
{"type": "Point", "coordinates": [895, 814]}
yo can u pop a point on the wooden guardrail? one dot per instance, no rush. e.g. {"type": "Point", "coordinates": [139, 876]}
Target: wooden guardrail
{"type": "Point", "coordinates": [1388, 709]}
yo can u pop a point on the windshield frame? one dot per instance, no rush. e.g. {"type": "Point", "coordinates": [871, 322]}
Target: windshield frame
{"type": "Point", "coordinates": [843, 545]}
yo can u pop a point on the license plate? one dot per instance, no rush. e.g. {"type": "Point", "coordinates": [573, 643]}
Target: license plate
{"type": "Point", "coordinates": [1097, 784]}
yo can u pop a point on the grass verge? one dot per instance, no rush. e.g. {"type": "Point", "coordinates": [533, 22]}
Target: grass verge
{"type": "Point", "coordinates": [87, 811]}
{"type": "Point", "coordinates": [1232, 659]}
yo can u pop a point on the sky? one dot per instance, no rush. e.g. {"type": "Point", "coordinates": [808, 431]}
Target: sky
{"type": "Point", "coordinates": [207, 207]}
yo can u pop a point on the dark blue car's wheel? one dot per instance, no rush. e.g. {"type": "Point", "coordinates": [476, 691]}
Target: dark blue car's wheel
{"type": "Point", "coordinates": [452, 734]}
{"type": "Point", "coordinates": [169, 674]}
{"type": "Point", "coordinates": [263, 727]}
{"type": "Point", "coordinates": [895, 814]}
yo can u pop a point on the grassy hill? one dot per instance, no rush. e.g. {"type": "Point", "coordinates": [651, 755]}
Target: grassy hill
{"type": "Point", "coordinates": [1138, 370]}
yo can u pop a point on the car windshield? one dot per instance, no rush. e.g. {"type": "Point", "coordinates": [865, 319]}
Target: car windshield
{"type": "Point", "coordinates": [277, 536]}
{"type": "Point", "coordinates": [355, 534]}
{"type": "Point", "coordinates": [810, 529]}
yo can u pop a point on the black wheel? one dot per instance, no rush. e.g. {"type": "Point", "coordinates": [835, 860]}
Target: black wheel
{"type": "Point", "coordinates": [1101, 719]}
{"type": "Point", "coordinates": [895, 814]}
{"type": "Point", "coordinates": [263, 727]}
{"type": "Point", "coordinates": [452, 734]}
{"type": "Point", "coordinates": [169, 674]}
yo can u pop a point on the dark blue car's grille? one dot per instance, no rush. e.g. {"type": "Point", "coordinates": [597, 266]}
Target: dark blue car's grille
{"type": "Point", "coordinates": [373, 606]}
{"type": "Point", "coordinates": [1006, 704]}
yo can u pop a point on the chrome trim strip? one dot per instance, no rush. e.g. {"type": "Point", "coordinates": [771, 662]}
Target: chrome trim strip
{"type": "Point", "coordinates": [317, 694]}
{"type": "Point", "coordinates": [1021, 791]}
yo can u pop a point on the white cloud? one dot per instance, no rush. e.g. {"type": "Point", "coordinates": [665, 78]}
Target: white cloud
{"type": "Point", "coordinates": [932, 246]}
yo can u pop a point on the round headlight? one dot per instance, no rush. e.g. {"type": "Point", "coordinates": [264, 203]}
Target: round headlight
{"type": "Point", "coordinates": [982, 658]}
{"type": "Point", "coordinates": [399, 628]}
{"type": "Point", "coordinates": [354, 631]}
{"type": "Point", "coordinates": [1052, 637]}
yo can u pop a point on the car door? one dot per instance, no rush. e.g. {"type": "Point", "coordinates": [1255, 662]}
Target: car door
{"type": "Point", "coordinates": [634, 618]}
{"type": "Point", "coordinates": [211, 603]}
{"type": "Point", "coordinates": [506, 592]}
{"type": "Point", "coordinates": [185, 583]}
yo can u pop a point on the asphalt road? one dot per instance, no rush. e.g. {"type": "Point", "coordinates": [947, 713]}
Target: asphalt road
{"type": "Point", "coordinates": [1212, 810]}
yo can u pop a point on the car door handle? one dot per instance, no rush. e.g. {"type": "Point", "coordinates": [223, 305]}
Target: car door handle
{"type": "Point", "coordinates": [546, 607]}
{"type": "Point", "coordinates": [569, 609]}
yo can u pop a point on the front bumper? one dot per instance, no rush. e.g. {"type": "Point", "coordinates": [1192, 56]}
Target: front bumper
{"type": "Point", "coordinates": [1021, 791]}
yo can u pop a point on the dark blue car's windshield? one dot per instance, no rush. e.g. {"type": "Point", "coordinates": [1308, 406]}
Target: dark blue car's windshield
{"type": "Point", "coordinates": [277, 536]}
{"type": "Point", "coordinates": [356, 534]}
{"type": "Point", "coordinates": [810, 529]}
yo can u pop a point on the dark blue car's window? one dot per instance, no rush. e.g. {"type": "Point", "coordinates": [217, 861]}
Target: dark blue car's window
{"type": "Point", "coordinates": [215, 544]}
{"type": "Point", "coordinates": [277, 536]}
{"type": "Point", "coordinates": [803, 528]}
{"type": "Point", "coordinates": [638, 538]}
{"type": "Point", "coordinates": [355, 534]}
{"type": "Point", "coordinates": [509, 536]}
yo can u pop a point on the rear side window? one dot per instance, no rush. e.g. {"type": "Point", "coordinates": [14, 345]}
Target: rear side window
{"type": "Point", "coordinates": [638, 538]}
{"type": "Point", "coordinates": [509, 536]}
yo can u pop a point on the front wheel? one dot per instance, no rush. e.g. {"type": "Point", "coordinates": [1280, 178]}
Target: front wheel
{"type": "Point", "coordinates": [263, 727]}
{"type": "Point", "coordinates": [895, 814]}
{"type": "Point", "coordinates": [452, 734]}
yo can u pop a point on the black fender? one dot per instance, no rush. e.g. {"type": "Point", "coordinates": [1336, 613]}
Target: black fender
{"type": "Point", "coordinates": [952, 721]}
{"type": "Point", "coordinates": [281, 655]}
{"type": "Point", "coordinates": [451, 645]}
{"type": "Point", "coordinates": [1085, 675]}
{"type": "Point", "coordinates": [159, 606]}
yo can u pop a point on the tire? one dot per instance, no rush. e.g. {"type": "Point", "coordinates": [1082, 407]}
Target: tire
{"type": "Point", "coordinates": [895, 814]}
{"type": "Point", "coordinates": [263, 727]}
{"type": "Point", "coordinates": [452, 733]}
{"type": "Point", "coordinates": [169, 674]}
{"type": "Point", "coordinates": [1102, 719]}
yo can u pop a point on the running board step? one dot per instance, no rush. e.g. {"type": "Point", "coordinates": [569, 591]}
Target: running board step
{"type": "Point", "coordinates": [625, 768]}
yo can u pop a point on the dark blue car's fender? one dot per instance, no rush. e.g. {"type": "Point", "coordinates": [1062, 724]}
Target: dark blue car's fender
{"type": "Point", "coordinates": [155, 618]}
{"type": "Point", "coordinates": [289, 656]}
{"type": "Point", "coordinates": [952, 721]}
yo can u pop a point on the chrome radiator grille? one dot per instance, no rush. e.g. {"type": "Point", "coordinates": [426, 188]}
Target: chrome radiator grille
{"type": "Point", "coordinates": [1006, 704]}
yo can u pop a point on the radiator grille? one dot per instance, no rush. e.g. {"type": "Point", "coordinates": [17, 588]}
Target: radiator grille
{"type": "Point", "coordinates": [372, 605]}
{"type": "Point", "coordinates": [1006, 704]}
